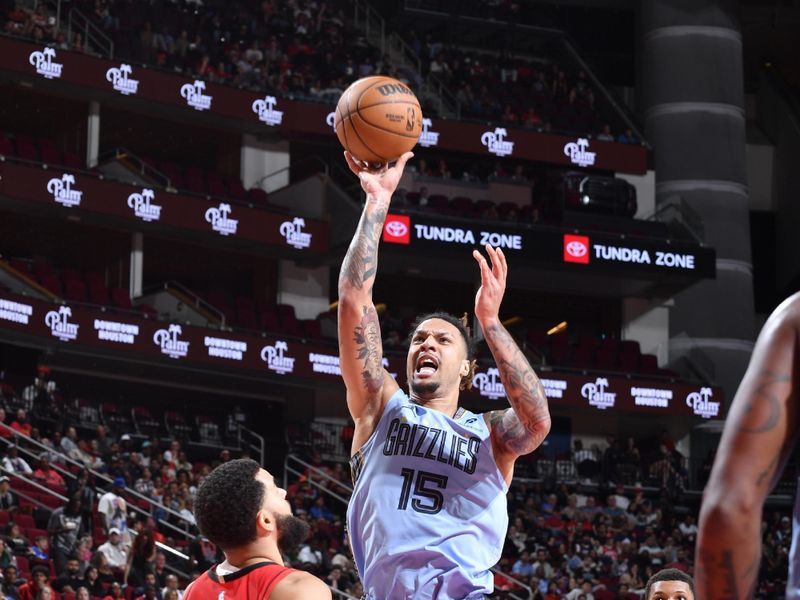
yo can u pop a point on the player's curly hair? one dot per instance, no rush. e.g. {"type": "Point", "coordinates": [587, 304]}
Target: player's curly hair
{"type": "Point", "coordinates": [668, 575]}
{"type": "Point", "coordinates": [462, 325]}
{"type": "Point", "coordinates": [228, 502]}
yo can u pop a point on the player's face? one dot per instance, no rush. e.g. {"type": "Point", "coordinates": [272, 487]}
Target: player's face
{"type": "Point", "coordinates": [437, 358]}
{"type": "Point", "coordinates": [274, 497]}
{"type": "Point", "coordinates": [671, 590]}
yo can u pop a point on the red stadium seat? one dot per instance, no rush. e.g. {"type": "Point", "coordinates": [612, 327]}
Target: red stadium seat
{"type": "Point", "coordinates": [75, 290]}
{"type": "Point", "coordinates": [26, 148]}
{"type": "Point", "coordinates": [258, 197]}
{"type": "Point", "coordinates": [73, 161]}
{"type": "Point", "coordinates": [24, 521]}
{"type": "Point", "coordinates": [121, 298]}
{"type": "Point", "coordinates": [49, 153]}
{"type": "Point", "coordinates": [6, 147]}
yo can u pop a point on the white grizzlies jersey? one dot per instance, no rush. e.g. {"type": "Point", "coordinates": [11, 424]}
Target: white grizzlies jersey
{"type": "Point", "coordinates": [428, 515]}
{"type": "Point", "coordinates": [793, 580]}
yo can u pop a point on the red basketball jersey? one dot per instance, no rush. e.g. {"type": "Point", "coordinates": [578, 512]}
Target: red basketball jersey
{"type": "Point", "coordinates": [255, 582]}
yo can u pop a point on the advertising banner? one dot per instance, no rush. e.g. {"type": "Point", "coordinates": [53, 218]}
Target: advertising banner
{"type": "Point", "coordinates": [126, 80]}
{"type": "Point", "coordinates": [279, 356]}
{"type": "Point", "coordinates": [140, 205]}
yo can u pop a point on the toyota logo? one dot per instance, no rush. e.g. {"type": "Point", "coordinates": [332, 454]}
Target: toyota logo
{"type": "Point", "coordinates": [397, 229]}
{"type": "Point", "coordinates": [576, 249]}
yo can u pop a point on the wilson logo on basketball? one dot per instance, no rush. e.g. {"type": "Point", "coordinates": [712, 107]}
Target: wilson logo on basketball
{"type": "Point", "coordinates": [394, 88]}
{"type": "Point", "coordinates": [576, 249]}
{"type": "Point", "coordinates": [397, 229]}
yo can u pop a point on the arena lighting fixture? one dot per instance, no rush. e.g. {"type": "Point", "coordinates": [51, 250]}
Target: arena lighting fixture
{"type": "Point", "coordinates": [557, 328]}
{"type": "Point", "coordinates": [585, 199]}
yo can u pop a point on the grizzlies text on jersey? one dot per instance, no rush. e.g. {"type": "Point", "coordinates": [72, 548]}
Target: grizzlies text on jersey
{"type": "Point", "coordinates": [428, 515]}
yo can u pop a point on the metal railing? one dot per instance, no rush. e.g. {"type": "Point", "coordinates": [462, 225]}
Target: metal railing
{"type": "Point", "coordinates": [317, 164]}
{"type": "Point", "coordinates": [137, 165]}
{"type": "Point", "coordinates": [298, 467]}
{"type": "Point", "coordinates": [187, 296]}
{"type": "Point", "coordinates": [526, 589]}
{"type": "Point", "coordinates": [249, 439]}
{"type": "Point", "coordinates": [93, 37]}
{"type": "Point", "coordinates": [680, 218]}
{"type": "Point", "coordinates": [101, 477]}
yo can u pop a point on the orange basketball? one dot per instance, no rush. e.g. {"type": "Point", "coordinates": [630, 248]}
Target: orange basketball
{"type": "Point", "coordinates": [378, 119]}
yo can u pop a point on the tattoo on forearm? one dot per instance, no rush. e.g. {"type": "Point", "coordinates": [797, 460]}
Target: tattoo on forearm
{"type": "Point", "coordinates": [764, 396]}
{"type": "Point", "coordinates": [726, 564]}
{"type": "Point", "coordinates": [368, 337]}
{"type": "Point", "coordinates": [361, 261]}
{"type": "Point", "coordinates": [517, 427]}
{"type": "Point", "coordinates": [764, 475]}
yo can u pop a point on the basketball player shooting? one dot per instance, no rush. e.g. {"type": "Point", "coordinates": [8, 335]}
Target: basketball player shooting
{"type": "Point", "coordinates": [428, 515]}
{"type": "Point", "coordinates": [760, 434]}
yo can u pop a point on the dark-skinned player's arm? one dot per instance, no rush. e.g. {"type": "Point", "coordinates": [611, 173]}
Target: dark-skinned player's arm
{"type": "Point", "coordinates": [369, 386]}
{"type": "Point", "coordinates": [520, 429]}
{"type": "Point", "coordinates": [759, 434]}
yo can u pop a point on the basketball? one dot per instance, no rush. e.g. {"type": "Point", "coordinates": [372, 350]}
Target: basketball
{"type": "Point", "coordinates": [378, 119]}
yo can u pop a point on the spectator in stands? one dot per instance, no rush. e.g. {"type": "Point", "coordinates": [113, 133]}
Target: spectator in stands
{"type": "Point", "coordinates": [688, 528]}
{"type": "Point", "coordinates": [112, 507]}
{"type": "Point", "coordinates": [11, 581]}
{"type": "Point", "coordinates": [172, 585]}
{"type": "Point", "coordinates": [583, 591]}
{"type": "Point", "coordinates": [627, 137]}
{"type": "Point", "coordinates": [606, 135]}
{"type": "Point", "coordinates": [47, 475]}
{"type": "Point", "coordinates": [70, 580]}
{"type": "Point", "coordinates": [141, 558]}
{"type": "Point", "coordinates": [21, 424]}
{"type": "Point", "coordinates": [115, 550]}
{"type": "Point", "coordinates": [32, 589]}
{"type": "Point", "coordinates": [82, 594]}
{"type": "Point", "coordinates": [160, 570]}
{"type": "Point", "coordinates": [91, 581]}
{"type": "Point", "coordinates": [523, 567]}
{"type": "Point", "coordinates": [40, 549]}
{"type": "Point", "coordinates": [64, 527]}
{"type": "Point", "coordinates": [6, 556]}
{"type": "Point", "coordinates": [319, 510]}
{"type": "Point", "coordinates": [16, 540]}
{"type": "Point", "coordinates": [5, 433]}
{"type": "Point", "coordinates": [114, 592]}
{"type": "Point", "coordinates": [8, 500]}
{"type": "Point", "coordinates": [104, 442]}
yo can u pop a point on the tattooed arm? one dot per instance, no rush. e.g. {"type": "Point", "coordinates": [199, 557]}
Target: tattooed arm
{"type": "Point", "coordinates": [521, 428]}
{"type": "Point", "coordinates": [759, 434]}
{"type": "Point", "coordinates": [360, 346]}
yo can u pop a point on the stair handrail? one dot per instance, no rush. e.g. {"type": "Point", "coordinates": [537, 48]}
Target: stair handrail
{"type": "Point", "coordinates": [195, 299]}
{"type": "Point", "coordinates": [318, 472]}
{"type": "Point", "coordinates": [121, 153]}
{"type": "Point", "coordinates": [37, 485]}
{"type": "Point", "coordinates": [33, 454]}
{"type": "Point", "coordinates": [517, 581]}
{"type": "Point", "coordinates": [91, 32]}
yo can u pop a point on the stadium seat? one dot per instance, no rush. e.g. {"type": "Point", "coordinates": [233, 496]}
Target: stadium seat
{"type": "Point", "coordinates": [73, 161]}
{"type": "Point", "coordinates": [258, 197]}
{"type": "Point", "coordinates": [75, 290]}
{"type": "Point", "coordinates": [145, 421]}
{"type": "Point", "coordinates": [26, 148]}
{"type": "Point", "coordinates": [6, 147]}
{"type": "Point", "coordinates": [121, 298]}
{"type": "Point", "coordinates": [49, 153]}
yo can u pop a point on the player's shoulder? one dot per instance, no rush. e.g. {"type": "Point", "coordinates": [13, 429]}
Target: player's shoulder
{"type": "Point", "coordinates": [301, 585]}
{"type": "Point", "coordinates": [194, 589]}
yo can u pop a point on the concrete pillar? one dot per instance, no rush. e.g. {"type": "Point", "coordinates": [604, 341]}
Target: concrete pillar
{"type": "Point", "coordinates": [136, 265]}
{"type": "Point", "coordinates": [693, 96]}
{"type": "Point", "coordinates": [260, 159]}
{"type": "Point", "coordinates": [305, 288]}
{"type": "Point", "coordinates": [93, 134]}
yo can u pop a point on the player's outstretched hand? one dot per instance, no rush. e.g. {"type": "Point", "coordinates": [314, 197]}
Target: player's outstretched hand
{"type": "Point", "coordinates": [493, 284]}
{"type": "Point", "coordinates": [380, 179]}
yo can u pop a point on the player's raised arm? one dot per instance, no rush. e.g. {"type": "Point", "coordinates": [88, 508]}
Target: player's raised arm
{"type": "Point", "coordinates": [521, 428]}
{"type": "Point", "coordinates": [759, 434]}
{"type": "Point", "coordinates": [360, 345]}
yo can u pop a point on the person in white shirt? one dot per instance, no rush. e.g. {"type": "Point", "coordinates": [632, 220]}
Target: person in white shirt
{"type": "Point", "coordinates": [688, 528]}
{"type": "Point", "coordinates": [113, 508]}
{"type": "Point", "coordinates": [172, 584]}
{"type": "Point", "coordinates": [115, 551]}
{"type": "Point", "coordinates": [14, 463]}
{"type": "Point", "coordinates": [585, 589]}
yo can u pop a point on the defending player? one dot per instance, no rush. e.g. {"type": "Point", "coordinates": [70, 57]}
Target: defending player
{"type": "Point", "coordinates": [760, 434]}
{"type": "Point", "coordinates": [240, 509]}
{"type": "Point", "coordinates": [428, 514]}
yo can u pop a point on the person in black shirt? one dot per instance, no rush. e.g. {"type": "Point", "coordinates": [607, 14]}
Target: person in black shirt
{"type": "Point", "coordinates": [91, 581]}
{"type": "Point", "coordinates": [71, 580]}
